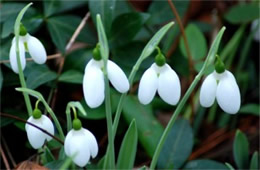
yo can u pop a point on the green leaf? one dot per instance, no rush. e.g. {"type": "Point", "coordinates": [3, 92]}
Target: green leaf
{"type": "Point", "coordinates": [61, 28]}
{"type": "Point", "coordinates": [243, 13]}
{"type": "Point", "coordinates": [230, 167]}
{"type": "Point", "coordinates": [71, 76]}
{"type": "Point", "coordinates": [204, 164]}
{"type": "Point", "coordinates": [106, 9]}
{"type": "Point", "coordinates": [233, 43]}
{"type": "Point", "coordinates": [31, 21]}
{"type": "Point", "coordinates": [48, 155]}
{"type": "Point", "coordinates": [149, 129]}
{"type": "Point", "coordinates": [174, 153]}
{"type": "Point", "coordinates": [161, 12]}
{"type": "Point", "coordinates": [126, 26]}
{"type": "Point", "coordinates": [38, 75]}
{"type": "Point", "coordinates": [57, 6]}
{"type": "Point", "coordinates": [252, 108]}
{"type": "Point", "coordinates": [240, 150]}
{"type": "Point", "coordinates": [196, 41]}
{"type": "Point", "coordinates": [54, 165]}
{"type": "Point", "coordinates": [127, 152]}
{"type": "Point", "coordinates": [155, 40]}
{"type": "Point", "coordinates": [254, 163]}
{"type": "Point", "coordinates": [11, 10]}
{"type": "Point", "coordinates": [77, 60]}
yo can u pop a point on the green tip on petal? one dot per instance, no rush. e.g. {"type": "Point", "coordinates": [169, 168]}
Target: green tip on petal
{"type": "Point", "coordinates": [96, 53]}
{"type": "Point", "coordinates": [37, 114]}
{"type": "Point", "coordinates": [76, 124]}
{"type": "Point", "coordinates": [219, 65]}
{"type": "Point", "coordinates": [23, 30]}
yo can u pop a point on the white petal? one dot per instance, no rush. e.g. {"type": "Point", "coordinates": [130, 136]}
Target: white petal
{"type": "Point", "coordinates": [67, 142]}
{"type": "Point", "coordinates": [208, 91]}
{"type": "Point", "coordinates": [36, 50]}
{"type": "Point", "coordinates": [94, 87]}
{"type": "Point", "coordinates": [117, 77]}
{"type": "Point", "coordinates": [48, 126]}
{"type": "Point", "coordinates": [94, 63]}
{"type": "Point", "coordinates": [169, 87]}
{"type": "Point", "coordinates": [148, 86]}
{"type": "Point", "coordinates": [92, 143]}
{"type": "Point", "coordinates": [228, 94]}
{"type": "Point", "coordinates": [12, 56]}
{"type": "Point", "coordinates": [35, 136]}
{"type": "Point", "coordinates": [79, 148]}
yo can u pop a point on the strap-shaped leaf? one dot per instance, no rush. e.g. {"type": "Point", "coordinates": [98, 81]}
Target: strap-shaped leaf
{"type": "Point", "coordinates": [127, 151]}
{"type": "Point", "coordinates": [240, 150]}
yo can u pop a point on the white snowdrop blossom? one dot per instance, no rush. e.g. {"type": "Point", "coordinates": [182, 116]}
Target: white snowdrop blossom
{"type": "Point", "coordinates": [224, 87]}
{"type": "Point", "coordinates": [30, 44]}
{"type": "Point", "coordinates": [37, 137]}
{"type": "Point", "coordinates": [161, 78]}
{"type": "Point", "coordinates": [94, 84]}
{"type": "Point", "coordinates": [80, 145]}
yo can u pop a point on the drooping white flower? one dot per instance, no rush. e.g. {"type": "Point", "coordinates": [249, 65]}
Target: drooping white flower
{"type": "Point", "coordinates": [33, 46]}
{"type": "Point", "coordinates": [222, 86]}
{"type": "Point", "coordinates": [94, 85]}
{"type": "Point", "coordinates": [161, 78]}
{"type": "Point", "coordinates": [80, 145]}
{"type": "Point", "coordinates": [37, 137]}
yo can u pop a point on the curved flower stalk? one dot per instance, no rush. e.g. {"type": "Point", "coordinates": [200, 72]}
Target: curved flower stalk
{"type": "Point", "coordinates": [93, 81]}
{"type": "Point", "coordinates": [30, 44]}
{"type": "Point", "coordinates": [221, 84]}
{"type": "Point", "coordinates": [80, 144]}
{"type": "Point", "coordinates": [35, 136]}
{"type": "Point", "coordinates": [162, 78]}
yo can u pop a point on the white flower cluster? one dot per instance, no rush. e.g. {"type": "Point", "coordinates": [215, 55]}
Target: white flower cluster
{"type": "Point", "coordinates": [81, 144]}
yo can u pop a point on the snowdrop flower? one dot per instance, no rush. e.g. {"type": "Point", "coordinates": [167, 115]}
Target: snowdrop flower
{"type": "Point", "coordinates": [30, 44]}
{"type": "Point", "coordinates": [254, 26]}
{"type": "Point", "coordinates": [37, 137]}
{"type": "Point", "coordinates": [93, 81]}
{"type": "Point", "coordinates": [80, 144]}
{"type": "Point", "coordinates": [221, 84]}
{"type": "Point", "coordinates": [160, 76]}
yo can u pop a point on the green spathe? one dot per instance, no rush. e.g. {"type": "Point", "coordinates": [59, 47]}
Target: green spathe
{"type": "Point", "coordinates": [96, 53]}
{"type": "Point", "coordinates": [219, 65]}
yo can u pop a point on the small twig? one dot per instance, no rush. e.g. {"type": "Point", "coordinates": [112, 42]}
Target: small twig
{"type": "Point", "coordinates": [68, 46]}
{"type": "Point", "coordinates": [78, 30]}
{"type": "Point", "coordinates": [49, 57]}
{"type": "Point", "coordinates": [8, 152]}
{"type": "Point", "coordinates": [175, 12]}
{"type": "Point", "coordinates": [4, 158]}
{"type": "Point", "coordinates": [29, 123]}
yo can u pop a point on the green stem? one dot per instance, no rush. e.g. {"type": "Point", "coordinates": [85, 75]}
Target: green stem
{"type": "Point", "coordinates": [209, 60]}
{"type": "Point", "coordinates": [122, 98]}
{"type": "Point", "coordinates": [21, 75]}
{"type": "Point", "coordinates": [109, 121]}
{"type": "Point", "coordinates": [173, 118]}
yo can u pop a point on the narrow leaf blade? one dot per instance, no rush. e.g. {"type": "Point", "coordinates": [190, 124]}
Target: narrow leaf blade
{"type": "Point", "coordinates": [128, 147]}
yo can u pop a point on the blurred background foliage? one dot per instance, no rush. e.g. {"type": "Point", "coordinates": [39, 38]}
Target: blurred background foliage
{"type": "Point", "coordinates": [201, 138]}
